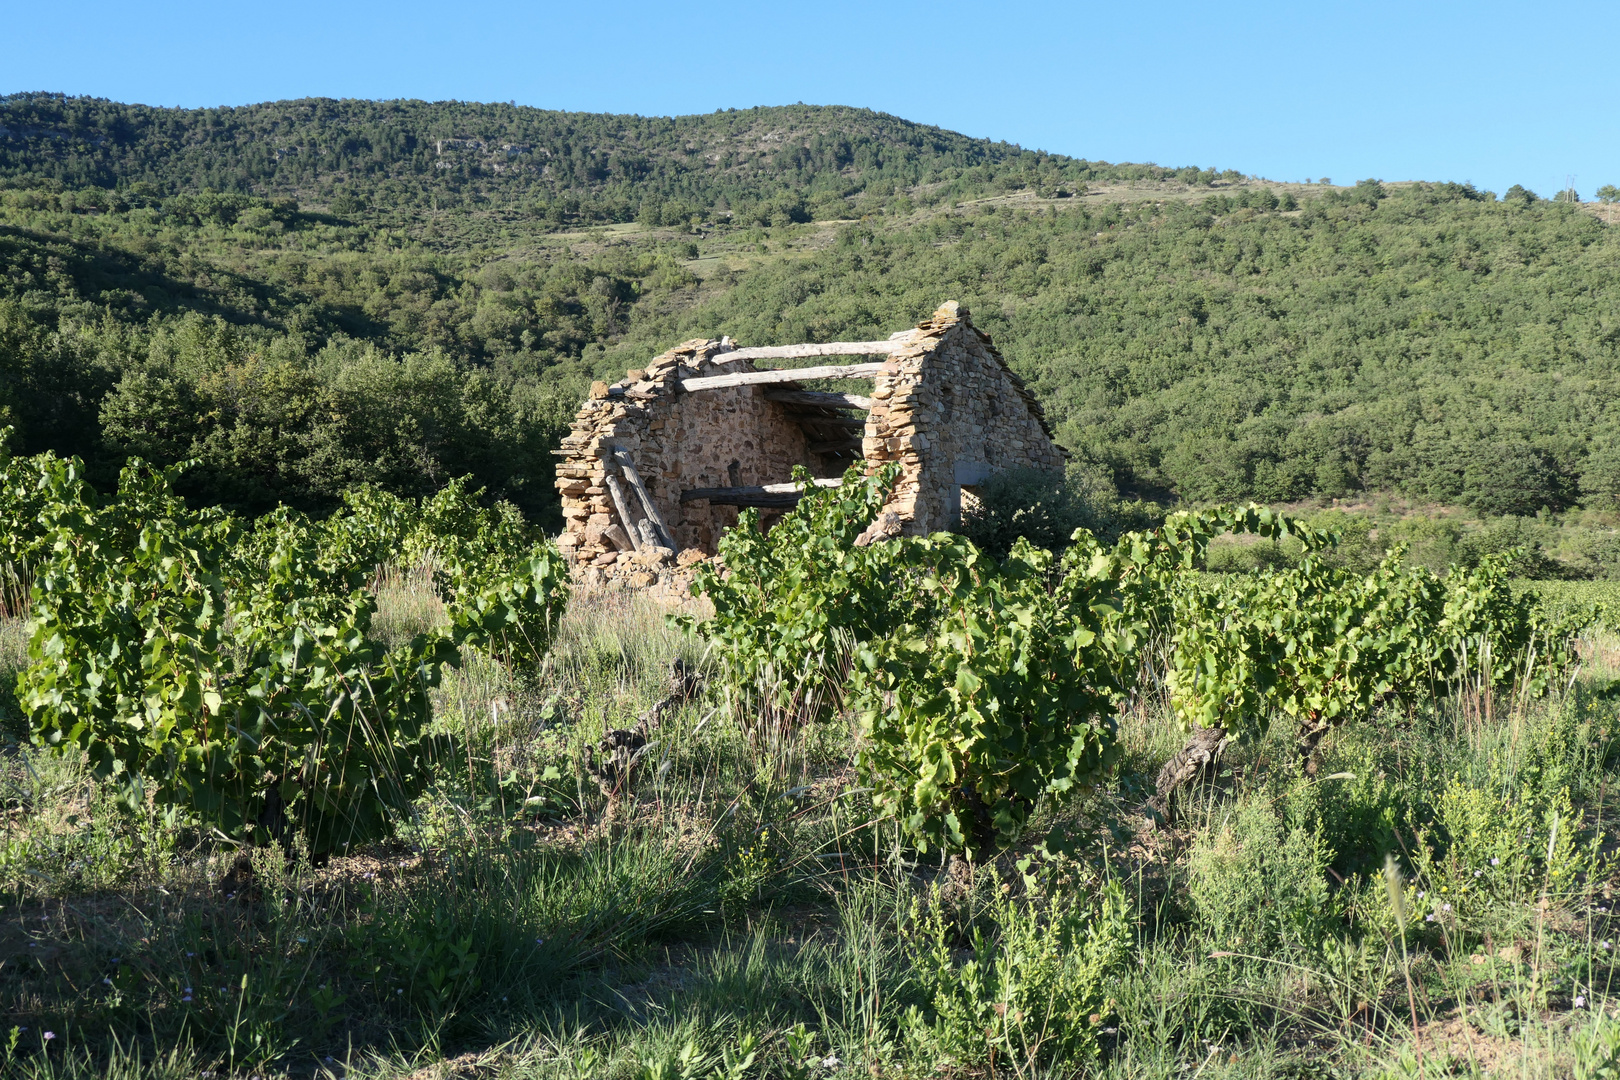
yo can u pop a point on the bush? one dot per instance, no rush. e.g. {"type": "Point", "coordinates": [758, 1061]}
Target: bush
{"type": "Point", "coordinates": [298, 720]}
{"type": "Point", "coordinates": [791, 605]}
{"type": "Point", "coordinates": [1495, 844]}
{"type": "Point", "coordinates": [1045, 508]}
{"type": "Point", "coordinates": [1007, 697]}
{"type": "Point", "coordinates": [1255, 884]}
{"type": "Point", "coordinates": [1035, 988]}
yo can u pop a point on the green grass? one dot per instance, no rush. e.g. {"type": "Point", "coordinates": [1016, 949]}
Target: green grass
{"type": "Point", "coordinates": [739, 905]}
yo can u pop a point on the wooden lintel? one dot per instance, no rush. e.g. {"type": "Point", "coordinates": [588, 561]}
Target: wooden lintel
{"type": "Point", "coordinates": [826, 348]}
{"type": "Point", "coordinates": [761, 501]}
{"type": "Point", "coordinates": [762, 496]}
{"type": "Point", "coordinates": [725, 494]}
{"type": "Point", "coordinates": [782, 375]}
{"type": "Point", "coordinates": [855, 423]}
{"type": "Point", "coordinates": [834, 447]}
{"type": "Point", "coordinates": [817, 398]}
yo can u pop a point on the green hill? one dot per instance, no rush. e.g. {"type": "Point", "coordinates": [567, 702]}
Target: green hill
{"type": "Point", "coordinates": [305, 295]}
{"type": "Point", "coordinates": [395, 159]}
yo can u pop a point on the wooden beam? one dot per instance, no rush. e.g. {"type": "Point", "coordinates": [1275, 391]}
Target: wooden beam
{"type": "Point", "coordinates": [854, 423]}
{"type": "Point", "coordinates": [760, 501]}
{"type": "Point", "coordinates": [827, 348]}
{"type": "Point", "coordinates": [622, 505]}
{"type": "Point", "coordinates": [782, 375]}
{"type": "Point", "coordinates": [629, 467]}
{"type": "Point", "coordinates": [720, 494]}
{"type": "Point", "coordinates": [814, 397]}
{"type": "Point", "coordinates": [836, 446]}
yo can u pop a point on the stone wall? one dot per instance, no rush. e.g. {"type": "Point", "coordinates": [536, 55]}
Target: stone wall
{"type": "Point", "coordinates": [714, 438]}
{"type": "Point", "coordinates": [951, 413]}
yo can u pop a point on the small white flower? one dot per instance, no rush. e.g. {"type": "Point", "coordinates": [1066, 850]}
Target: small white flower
{"type": "Point", "coordinates": [1495, 861]}
{"type": "Point", "coordinates": [830, 1061]}
{"type": "Point", "coordinates": [1580, 1001]}
{"type": "Point", "coordinates": [1445, 907]}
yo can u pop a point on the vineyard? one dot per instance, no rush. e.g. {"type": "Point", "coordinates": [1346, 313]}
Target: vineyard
{"type": "Point", "coordinates": [376, 794]}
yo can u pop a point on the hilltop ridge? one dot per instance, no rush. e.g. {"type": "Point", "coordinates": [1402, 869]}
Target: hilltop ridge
{"type": "Point", "coordinates": [405, 154]}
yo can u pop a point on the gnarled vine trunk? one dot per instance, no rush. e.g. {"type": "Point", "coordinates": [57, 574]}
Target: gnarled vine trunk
{"type": "Point", "coordinates": [1309, 740]}
{"type": "Point", "coordinates": [1201, 752]}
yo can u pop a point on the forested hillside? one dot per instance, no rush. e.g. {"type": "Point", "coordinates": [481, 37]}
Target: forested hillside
{"type": "Point", "coordinates": [398, 159]}
{"type": "Point", "coordinates": [1423, 340]}
{"type": "Point", "coordinates": [306, 295]}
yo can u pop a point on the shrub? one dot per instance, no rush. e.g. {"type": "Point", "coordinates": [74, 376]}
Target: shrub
{"type": "Point", "coordinates": [1255, 884]}
{"type": "Point", "coordinates": [299, 720]}
{"type": "Point", "coordinates": [791, 605]}
{"type": "Point", "coordinates": [1035, 989]}
{"type": "Point", "coordinates": [1046, 507]}
{"type": "Point", "coordinates": [1006, 697]}
{"type": "Point", "coordinates": [1495, 844]}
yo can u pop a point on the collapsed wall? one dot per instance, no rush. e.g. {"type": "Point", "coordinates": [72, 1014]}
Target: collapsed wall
{"type": "Point", "coordinates": [659, 465]}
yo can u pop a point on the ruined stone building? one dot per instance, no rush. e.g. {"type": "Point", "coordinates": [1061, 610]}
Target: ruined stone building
{"type": "Point", "coordinates": [658, 465]}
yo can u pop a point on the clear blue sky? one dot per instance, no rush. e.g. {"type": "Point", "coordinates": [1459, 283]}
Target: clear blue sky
{"type": "Point", "coordinates": [1490, 92]}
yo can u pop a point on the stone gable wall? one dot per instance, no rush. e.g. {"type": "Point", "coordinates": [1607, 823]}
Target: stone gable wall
{"type": "Point", "coordinates": [951, 413]}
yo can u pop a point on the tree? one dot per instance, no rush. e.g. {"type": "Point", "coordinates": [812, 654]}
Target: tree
{"type": "Point", "coordinates": [1608, 195]}
{"type": "Point", "coordinates": [1512, 479]}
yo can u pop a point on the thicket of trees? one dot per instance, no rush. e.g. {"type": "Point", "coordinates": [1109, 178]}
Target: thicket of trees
{"type": "Point", "coordinates": [303, 295]}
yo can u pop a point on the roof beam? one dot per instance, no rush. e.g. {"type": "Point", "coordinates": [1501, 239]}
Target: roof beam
{"type": "Point", "coordinates": [765, 496]}
{"type": "Point", "coordinates": [821, 400]}
{"type": "Point", "coordinates": [826, 348]}
{"type": "Point", "coordinates": [838, 446]}
{"type": "Point", "coordinates": [782, 375]}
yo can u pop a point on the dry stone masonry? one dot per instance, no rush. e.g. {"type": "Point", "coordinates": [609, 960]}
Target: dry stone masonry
{"type": "Point", "coordinates": [658, 465]}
